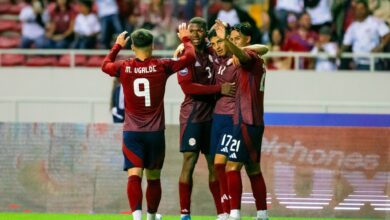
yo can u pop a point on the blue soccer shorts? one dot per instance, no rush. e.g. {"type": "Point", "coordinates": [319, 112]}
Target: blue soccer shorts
{"type": "Point", "coordinates": [143, 149]}
{"type": "Point", "coordinates": [221, 134]}
{"type": "Point", "coordinates": [195, 137]}
{"type": "Point", "coordinates": [246, 144]}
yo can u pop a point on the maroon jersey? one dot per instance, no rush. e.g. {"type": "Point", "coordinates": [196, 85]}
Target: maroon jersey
{"type": "Point", "coordinates": [224, 71]}
{"type": "Point", "coordinates": [250, 91]}
{"type": "Point", "coordinates": [196, 107]}
{"type": "Point", "coordinates": [144, 86]}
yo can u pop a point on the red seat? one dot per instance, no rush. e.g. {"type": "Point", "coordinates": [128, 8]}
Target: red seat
{"type": "Point", "coordinates": [42, 61]}
{"type": "Point", "coordinates": [4, 7]}
{"type": "Point", "coordinates": [7, 25]}
{"type": "Point", "coordinates": [9, 42]}
{"type": "Point", "coordinates": [95, 61]}
{"type": "Point", "coordinates": [12, 60]}
{"type": "Point", "coordinates": [80, 60]}
{"type": "Point", "coordinates": [15, 9]}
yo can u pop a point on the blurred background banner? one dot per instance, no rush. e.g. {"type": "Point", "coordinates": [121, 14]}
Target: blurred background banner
{"type": "Point", "coordinates": [309, 170]}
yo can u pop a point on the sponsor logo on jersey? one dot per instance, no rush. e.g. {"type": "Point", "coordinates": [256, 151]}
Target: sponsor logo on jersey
{"type": "Point", "coordinates": [192, 141]}
{"type": "Point", "coordinates": [233, 155]}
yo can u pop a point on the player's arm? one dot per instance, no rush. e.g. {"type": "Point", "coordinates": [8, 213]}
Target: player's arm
{"type": "Point", "coordinates": [188, 57]}
{"type": "Point", "coordinates": [240, 53]}
{"type": "Point", "coordinates": [258, 48]}
{"type": "Point", "coordinates": [191, 88]}
{"type": "Point", "coordinates": [109, 66]}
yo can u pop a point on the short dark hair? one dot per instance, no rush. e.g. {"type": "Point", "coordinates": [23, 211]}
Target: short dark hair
{"type": "Point", "coordinates": [142, 38]}
{"type": "Point", "coordinates": [87, 3]}
{"type": "Point", "coordinates": [212, 33]}
{"type": "Point", "coordinates": [244, 28]}
{"type": "Point", "coordinates": [364, 2]}
{"type": "Point", "coordinates": [199, 21]}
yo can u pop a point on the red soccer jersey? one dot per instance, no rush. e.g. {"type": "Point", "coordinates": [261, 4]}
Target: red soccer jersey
{"type": "Point", "coordinates": [250, 91]}
{"type": "Point", "coordinates": [196, 107]}
{"type": "Point", "coordinates": [144, 86]}
{"type": "Point", "coordinates": [224, 71]}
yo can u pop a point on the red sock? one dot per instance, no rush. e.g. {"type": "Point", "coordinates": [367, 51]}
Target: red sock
{"type": "Point", "coordinates": [214, 189]}
{"type": "Point", "coordinates": [134, 192]}
{"type": "Point", "coordinates": [223, 188]}
{"type": "Point", "coordinates": [235, 188]}
{"type": "Point", "coordinates": [153, 195]}
{"type": "Point", "coordinates": [259, 191]}
{"type": "Point", "coordinates": [185, 190]}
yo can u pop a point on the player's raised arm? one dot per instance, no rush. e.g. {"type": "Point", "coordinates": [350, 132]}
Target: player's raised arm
{"type": "Point", "coordinates": [109, 66]}
{"type": "Point", "coordinates": [188, 57]}
{"type": "Point", "coordinates": [240, 53]}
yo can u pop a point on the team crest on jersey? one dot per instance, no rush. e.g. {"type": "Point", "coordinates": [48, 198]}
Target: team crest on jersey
{"type": "Point", "coordinates": [183, 72]}
{"type": "Point", "coordinates": [192, 142]}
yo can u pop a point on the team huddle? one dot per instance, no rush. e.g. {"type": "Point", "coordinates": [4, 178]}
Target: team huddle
{"type": "Point", "coordinates": [222, 77]}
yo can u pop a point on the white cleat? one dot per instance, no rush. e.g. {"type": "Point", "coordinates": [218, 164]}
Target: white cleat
{"type": "Point", "coordinates": [261, 215]}
{"type": "Point", "coordinates": [158, 217]}
{"type": "Point", "coordinates": [223, 216]}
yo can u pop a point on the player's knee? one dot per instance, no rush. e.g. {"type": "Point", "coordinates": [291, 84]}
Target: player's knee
{"type": "Point", "coordinates": [252, 169]}
{"type": "Point", "coordinates": [153, 174]}
{"type": "Point", "coordinates": [135, 171]}
{"type": "Point", "coordinates": [233, 166]}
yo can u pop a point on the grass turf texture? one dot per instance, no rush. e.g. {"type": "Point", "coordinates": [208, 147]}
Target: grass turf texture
{"type": "Point", "coordinates": [38, 216]}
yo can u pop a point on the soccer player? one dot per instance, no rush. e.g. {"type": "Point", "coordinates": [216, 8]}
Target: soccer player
{"type": "Point", "coordinates": [195, 116]}
{"type": "Point", "coordinates": [143, 80]}
{"type": "Point", "coordinates": [245, 143]}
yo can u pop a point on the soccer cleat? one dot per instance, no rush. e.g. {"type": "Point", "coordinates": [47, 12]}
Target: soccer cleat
{"type": "Point", "coordinates": [233, 218]}
{"type": "Point", "coordinates": [223, 216]}
{"type": "Point", "coordinates": [158, 217]}
{"type": "Point", "coordinates": [261, 215]}
{"type": "Point", "coordinates": [185, 217]}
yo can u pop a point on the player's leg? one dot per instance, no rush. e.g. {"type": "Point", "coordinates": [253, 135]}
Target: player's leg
{"type": "Point", "coordinates": [258, 189]}
{"type": "Point", "coordinates": [234, 183]}
{"type": "Point", "coordinates": [153, 192]}
{"type": "Point", "coordinates": [221, 136]}
{"type": "Point", "coordinates": [185, 183]}
{"type": "Point", "coordinates": [190, 134]}
{"type": "Point", "coordinates": [205, 141]}
{"type": "Point", "coordinates": [133, 152]}
{"type": "Point", "coordinates": [154, 160]}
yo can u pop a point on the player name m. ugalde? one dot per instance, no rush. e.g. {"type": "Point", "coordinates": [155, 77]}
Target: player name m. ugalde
{"type": "Point", "coordinates": [143, 69]}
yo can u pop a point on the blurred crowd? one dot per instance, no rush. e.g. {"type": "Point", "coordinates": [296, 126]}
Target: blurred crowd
{"type": "Point", "coordinates": [330, 26]}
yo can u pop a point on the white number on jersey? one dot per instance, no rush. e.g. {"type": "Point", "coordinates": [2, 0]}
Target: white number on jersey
{"type": "Point", "coordinates": [221, 70]}
{"type": "Point", "coordinates": [209, 71]}
{"type": "Point", "coordinates": [144, 93]}
{"type": "Point", "coordinates": [262, 83]}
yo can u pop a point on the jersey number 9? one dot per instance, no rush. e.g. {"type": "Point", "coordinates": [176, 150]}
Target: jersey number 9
{"type": "Point", "coordinates": [142, 93]}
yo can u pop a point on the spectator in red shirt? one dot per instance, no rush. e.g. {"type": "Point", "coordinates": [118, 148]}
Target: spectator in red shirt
{"type": "Point", "coordinates": [301, 40]}
{"type": "Point", "coordinates": [61, 23]}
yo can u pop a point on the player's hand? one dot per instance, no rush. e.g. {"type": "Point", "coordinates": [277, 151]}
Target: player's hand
{"type": "Point", "coordinates": [178, 50]}
{"type": "Point", "coordinates": [122, 39]}
{"type": "Point", "coordinates": [228, 89]}
{"type": "Point", "coordinates": [220, 28]}
{"type": "Point", "coordinates": [183, 31]}
{"type": "Point", "coordinates": [236, 61]}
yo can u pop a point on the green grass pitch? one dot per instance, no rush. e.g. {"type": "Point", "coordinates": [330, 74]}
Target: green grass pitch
{"type": "Point", "coordinates": [37, 216]}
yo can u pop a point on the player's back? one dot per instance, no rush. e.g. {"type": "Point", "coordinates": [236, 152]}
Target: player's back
{"type": "Point", "coordinates": [144, 87]}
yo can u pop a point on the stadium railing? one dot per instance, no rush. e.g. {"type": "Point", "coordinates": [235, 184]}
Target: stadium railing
{"type": "Point", "coordinates": [168, 53]}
